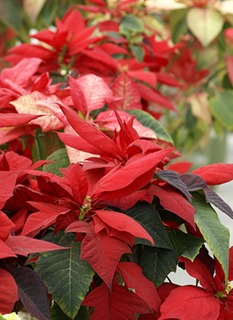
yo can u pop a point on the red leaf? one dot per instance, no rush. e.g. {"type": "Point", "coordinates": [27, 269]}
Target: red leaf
{"type": "Point", "coordinates": [101, 251]}
{"type": "Point", "coordinates": [90, 93]}
{"type": "Point", "coordinates": [92, 135]}
{"type": "Point", "coordinates": [7, 185]}
{"type": "Point", "coordinates": [5, 251]}
{"type": "Point", "coordinates": [15, 119]}
{"type": "Point", "coordinates": [8, 292]}
{"type": "Point", "coordinates": [132, 177]}
{"type": "Point", "coordinates": [145, 76]}
{"type": "Point", "coordinates": [10, 133]}
{"type": "Point", "coordinates": [22, 72]}
{"type": "Point", "coordinates": [108, 119]}
{"type": "Point", "coordinates": [124, 223]}
{"type": "Point", "coordinates": [198, 270]}
{"type": "Point", "coordinates": [125, 88]}
{"type": "Point", "coordinates": [117, 304]}
{"type": "Point", "coordinates": [216, 173]}
{"type": "Point", "coordinates": [23, 246]}
{"type": "Point", "coordinates": [139, 284]}
{"type": "Point", "coordinates": [152, 95]}
{"type": "Point", "coordinates": [78, 182]}
{"type": "Point", "coordinates": [44, 218]}
{"type": "Point", "coordinates": [180, 167]}
{"type": "Point", "coordinates": [175, 202]}
{"type": "Point", "coordinates": [6, 226]}
{"type": "Point", "coordinates": [231, 264]}
{"type": "Point", "coordinates": [189, 302]}
{"type": "Point", "coordinates": [81, 40]}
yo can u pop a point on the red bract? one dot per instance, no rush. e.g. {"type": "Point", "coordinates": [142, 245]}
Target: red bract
{"type": "Point", "coordinates": [71, 37]}
{"type": "Point", "coordinates": [10, 247]}
{"type": "Point", "coordinates": [17, 80]}
{"type": "Point", "coordinates": [213, 300]}
{"type": "Point", "coordinates": [110, 304]}
{"type": "Point", "coordinates": [104, 229]}
{"type": "Point", "coordinates": [185, 68]}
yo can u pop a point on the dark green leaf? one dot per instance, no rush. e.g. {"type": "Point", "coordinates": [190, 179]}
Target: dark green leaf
{"type": "Point", "coordinates": [178, 24]}
{"type": "Point", "coordinates": [188, 245]}
{"type": "Point", "coordinates": [148, 121]}
{"type": "Point", "coordinates": [58, 314]}
{"type": "Point", "coordinates": [59, 160]}
{"type": "Point", "coordinates": [158, 263]}
{"type": "Point", "coordinates": [32, 292]}
{"type": "Point", "coordinates": [66, 276]}
{"type": "Point", "coordinates": [149, 218]}
{"type": "Point", "coordinates": [215, 234]}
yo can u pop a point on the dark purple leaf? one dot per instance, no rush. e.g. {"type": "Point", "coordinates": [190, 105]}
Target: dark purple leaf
{"type": "Point", "coordinates": [212, 197]}
{"type": "Point", "coordinates": [32, 292]}
{"type": "Point", "coordinates": [174, 179]}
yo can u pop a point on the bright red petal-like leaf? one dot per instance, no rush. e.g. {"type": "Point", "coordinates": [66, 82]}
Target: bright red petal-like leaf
{"type": "Point", "coordinates": [181, 167]}
{"type": "Point", "coordinates": [189, 302]}
{"type": "Point", "coordinates": [216, 173]}
{"type": "Point", "coordinates": [124, 87]}
{"type": "Point", "coordinates": [10, 133]}
{"type": "Point", "coordinates": [5, 251]}
{"type": "Point", "coordinates": [17, 162]}
{"type": "Point", "coordinates": [7, 185]}
{"type": "Point", "coordinates": [124, 223]}
{"type": "Point", "coordinates": [101, 251]}
{"type": "Point", "coordinates": [198, 270]}
{"type": "Point", "coordinates": [92, 135]}
{"type": "Point", "coordinates": [14, 119]}
{"type": "Point", "coordinates": [175, 202]}
{"type": "Point", "coordinates": [119, 303]}
{"type": "Point", "coordinates": [23, 246]}
{"type": "Point", "coordinates": [8, 292]}
{"type": "Point", "coordinates": [44, 218]}
{"type": "Point", "coordinates": [145, 76]}
{"type": "Point", "coordinates": [6, 226]}
{"type": "Point", "coordinates": [231, 264]}
{"type": "Point", "coordinates": [132, 177]}
{"type": "Point", "coordinates": [78, 182]}
{"type": "Point", "coordinates": [150, 94]}
{"type": "Point", "coordinates": [139, 284]}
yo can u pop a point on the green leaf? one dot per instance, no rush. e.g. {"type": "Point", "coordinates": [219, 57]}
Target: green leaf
{"type": "Point", "coordinates": [178, 24]}
{"type": "Point", "coordinates": [221, 108]}
{"type": "Point", "coordinates": [58, 314]}
{"type": "Point", "coordinates": [157, 263]}
{"type": "Point", "coordinates": [131, 25]}
{"type": "Point", "coordinates": [149, 218]}
{"type": "Point", "coordinates": [205, 24]}
{"type": "Point", "coordinates": [59, 160]}
{"type": "Point", "coordinates": [189, 245]}
{"type": "Point", "coordinates": [138, 52]}
{"type": "Point", "coordinates": [66, 276]}
{"type": "Point", "coordinates": [215, 234]}
{"type": "Point", "coordinates": [11, 13]}
{"type": "Point", "coordinates": [148, 121]}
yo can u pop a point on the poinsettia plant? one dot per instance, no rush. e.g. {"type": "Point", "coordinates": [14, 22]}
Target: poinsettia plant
{"type": "Point", "coordinates": [96, 207]}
